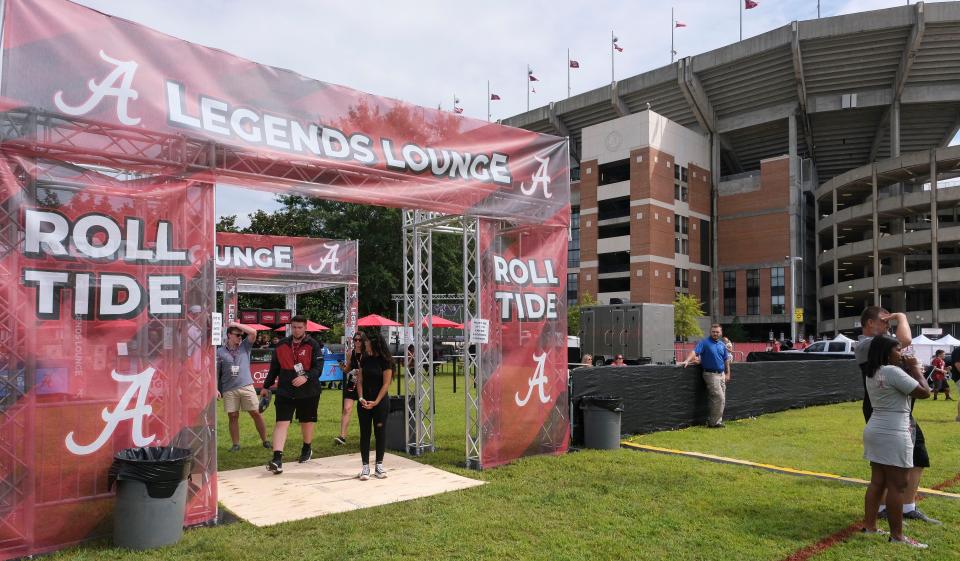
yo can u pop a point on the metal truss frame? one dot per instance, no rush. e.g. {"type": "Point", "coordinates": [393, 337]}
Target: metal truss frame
{"type": "Point", "coordinates": [418, 229]}
{"type": "Point", "coordinates": [68, 139]}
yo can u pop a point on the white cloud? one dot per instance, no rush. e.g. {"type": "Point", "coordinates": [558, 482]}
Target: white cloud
{"type": "Point", "coordinates": [426, 51]}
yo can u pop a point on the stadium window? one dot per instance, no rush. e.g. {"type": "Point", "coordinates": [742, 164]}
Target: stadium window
{"type": "Point", "coordinates": [776, 290]}
{"type": "Point", "coordinates": [753, 292]}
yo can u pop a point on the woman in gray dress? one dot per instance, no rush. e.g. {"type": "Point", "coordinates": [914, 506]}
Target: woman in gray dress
{"type": "Point", "coordinates": [887, 439]}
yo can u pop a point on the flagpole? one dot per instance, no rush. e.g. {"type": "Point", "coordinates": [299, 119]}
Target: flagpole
{"type": "Point", "coordinates": [488, 101]}
{"type": "Point", "coordinates": [568, 72]}
{"type": "Point", "coordinates": [612, 79]}
{"type": "Point", "coordinates": [741, 19]}
{"type": "Point", "coordinates": [528, 87]}
{"type": "Point", "coordinates": [673, 24]}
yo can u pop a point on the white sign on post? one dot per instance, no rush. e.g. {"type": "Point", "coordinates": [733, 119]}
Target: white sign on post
{"type": "Point", "coordinates": [935, 331]}
{"type": "Point", "coordinates": [216, 329]}
{"type": "Point", "coordinates": [480, 331]}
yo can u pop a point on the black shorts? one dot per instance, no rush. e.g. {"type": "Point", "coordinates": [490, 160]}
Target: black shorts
{"type": "Point", "coordinates": [350, 388]}
{"type": "Point", "coordinates": [920, 457]}
{"type": "Point", "coordinates": [306, 408]}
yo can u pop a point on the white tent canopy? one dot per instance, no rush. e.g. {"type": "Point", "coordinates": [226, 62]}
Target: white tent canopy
{"type": "Point", "coordinates": [925, 348]}
{"type": "Point", "coordinates": [948, 340]}
{"type": "Point", "coordinates": [842, 338]}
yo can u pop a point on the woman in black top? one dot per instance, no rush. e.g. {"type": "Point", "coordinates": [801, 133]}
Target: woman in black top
{"type": "Point", "coordinates": [376, 372]}
{"type": "Point", "coordinates": [350, 368]}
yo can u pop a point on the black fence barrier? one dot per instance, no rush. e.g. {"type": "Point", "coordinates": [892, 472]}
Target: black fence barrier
{"type": "Point", "coordinates": [659, 398]}
{"type": "Point", "coordinates": [760, 356]}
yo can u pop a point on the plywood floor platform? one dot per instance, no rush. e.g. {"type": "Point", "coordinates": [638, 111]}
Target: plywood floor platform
{"type": "Point", "coordinates": [328, 485]}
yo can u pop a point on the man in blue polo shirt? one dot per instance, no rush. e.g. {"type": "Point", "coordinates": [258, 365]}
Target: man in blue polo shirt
{"type": "Point", "coordinates": [713, 356]}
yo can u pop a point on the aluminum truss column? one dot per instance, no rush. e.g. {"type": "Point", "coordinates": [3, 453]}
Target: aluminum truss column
{"type": "Point", "coordinates": [290, 302]}
{"type": "Point", "coordinates": [473, 379]}
{"type": "Point", "coordinates": [418, 243]}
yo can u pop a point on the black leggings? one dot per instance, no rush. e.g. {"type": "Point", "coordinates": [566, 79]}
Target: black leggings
{"type": "Point", "coordinates": [377, 418]}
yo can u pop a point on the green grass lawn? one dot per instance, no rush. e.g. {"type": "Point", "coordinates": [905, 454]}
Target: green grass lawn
{"type": "Point", "coordinates": [826, 439]}
{"type": "Point", "coordinates": [596, 505]}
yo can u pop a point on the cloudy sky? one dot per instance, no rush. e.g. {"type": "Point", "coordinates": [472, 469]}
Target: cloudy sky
{"type": "Point", "coordinates": [425, 52]}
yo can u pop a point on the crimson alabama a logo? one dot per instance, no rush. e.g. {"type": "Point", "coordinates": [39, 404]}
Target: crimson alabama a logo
{"type": "Point", "coordinates": [541, 179]}
{"type": "Point", "coordinates": [118, 83]}
{"type": "Point", "coordinates": [330, 259]}
{"type": "Point", "coordinates": [138, 390]}
{"type": "Point", "coordinates": [539, 380]}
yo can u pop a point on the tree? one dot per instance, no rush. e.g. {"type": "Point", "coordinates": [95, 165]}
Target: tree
{"type": "Point", "coordinates": [379, 233]}
{"type": "Point", "coordinates": [736, 332]}
{"type": "Point", "coordinates": [686, 313]}
{"type": "Point", "coordinates": [573, 313]}
{"type": "Point", "coordinates": [228, 224]}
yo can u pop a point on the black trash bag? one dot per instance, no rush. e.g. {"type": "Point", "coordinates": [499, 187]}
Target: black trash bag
{"type": "Point", "coordinates": [160, 468]}
{"type": "Point", "coordinates": [608, 402]}
{"type": "Point", "coordinates": [396, 403]}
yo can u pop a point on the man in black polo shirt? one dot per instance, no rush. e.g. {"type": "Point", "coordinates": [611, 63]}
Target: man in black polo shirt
{"type": "Point", "coordinates": [297, 363]}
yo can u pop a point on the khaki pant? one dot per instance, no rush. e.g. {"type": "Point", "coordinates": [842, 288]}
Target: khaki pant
{"type": "Point", "coordinates": [241, 399]}
{"type": "Point", "coordinates": [716, 396]}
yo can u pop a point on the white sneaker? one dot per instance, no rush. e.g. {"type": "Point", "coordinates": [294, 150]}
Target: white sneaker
{"type": "Point", "coordinates": [379, 472]}
{"type": "Point", "coordinates": [365, 472]}
{"type": "Point", "coordinates": [909, 541]}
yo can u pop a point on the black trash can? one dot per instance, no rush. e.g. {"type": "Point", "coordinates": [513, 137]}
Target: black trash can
{"type": "Point", "coordinates": [151, 496]}
{"type": "Point", "coordinates": [601, 421]}
{"type": "Point", "coordinates": [396, 436]}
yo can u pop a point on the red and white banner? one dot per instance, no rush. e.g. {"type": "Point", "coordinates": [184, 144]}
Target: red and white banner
{"type": "Point", "coordinates": [106, 299]}
{"type": "Point", "coordinates": [309, 136]}
{"type": "Point", "coordinates": [251, 256]}
{"type": "Point", "coordinates": [524, 403]}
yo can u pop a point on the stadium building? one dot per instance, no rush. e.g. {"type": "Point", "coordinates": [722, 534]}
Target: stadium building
{"type": "Point", "coordinates": [816, 151]}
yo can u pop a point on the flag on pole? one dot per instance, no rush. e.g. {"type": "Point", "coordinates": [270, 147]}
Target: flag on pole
{"type": "Point", "coordinates": [494, 97]}
{"type": "Point", "coordinates": [458, 110]}
{"type": "Point", "coordinates": [750, 4]}
{"type": "Point", "coordinates": [680, 24]}
{"type": "Point", "coordinates": [533, 90]}
{"type": "Point", "coordinates": [532, 77]}
{"type": "Point", "coordinates": [616, 46]}
{"type": "Point", "coordinates": [574, 64]}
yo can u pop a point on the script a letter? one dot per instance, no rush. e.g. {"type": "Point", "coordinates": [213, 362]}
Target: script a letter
{"type": "Point", "coordinates": [329, 259]}
{"type": "Point", "coordinates": [139, 386]}
{"type": "Point", "coordinates": [539, 380]}
{"type": "Point", "coordinates": [124, 92]}
{"type": "Point", "coordinates": [540, 179]}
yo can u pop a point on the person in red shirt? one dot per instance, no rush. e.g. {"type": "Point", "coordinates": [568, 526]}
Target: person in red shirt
{"type": "Point", "coordinates": [939, 375]}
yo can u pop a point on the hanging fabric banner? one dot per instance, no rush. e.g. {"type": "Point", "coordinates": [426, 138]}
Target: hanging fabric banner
{"type": "Point", "coordinates": [107, 289]}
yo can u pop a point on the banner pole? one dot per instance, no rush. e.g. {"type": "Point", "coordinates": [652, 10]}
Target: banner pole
{"type": "Point", "coordinates": [3, 54]}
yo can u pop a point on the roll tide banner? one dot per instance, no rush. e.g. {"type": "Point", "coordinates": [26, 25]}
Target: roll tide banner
{"type": "Point", "coordinates": [106, 288]}
{"type": "Point", "coordinates": [62, 59]}
{"type": "Point", "coordinates": [251, 256]}
{"type": "Point", "coordinates": [524, 405]}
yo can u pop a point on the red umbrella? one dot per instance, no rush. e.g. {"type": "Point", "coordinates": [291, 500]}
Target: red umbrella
{"type": "Point", "coordinates": [312, 326]}
{"type": "Point", "coordinates": [438, 321]}
{"type": "Point", "coordinates": [373, 320]}
{"type": "Point", "coordinates": [258, 326]}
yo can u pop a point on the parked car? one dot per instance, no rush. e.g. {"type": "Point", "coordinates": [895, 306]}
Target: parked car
{"type": "Point", "coordinates": [828, 347]}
